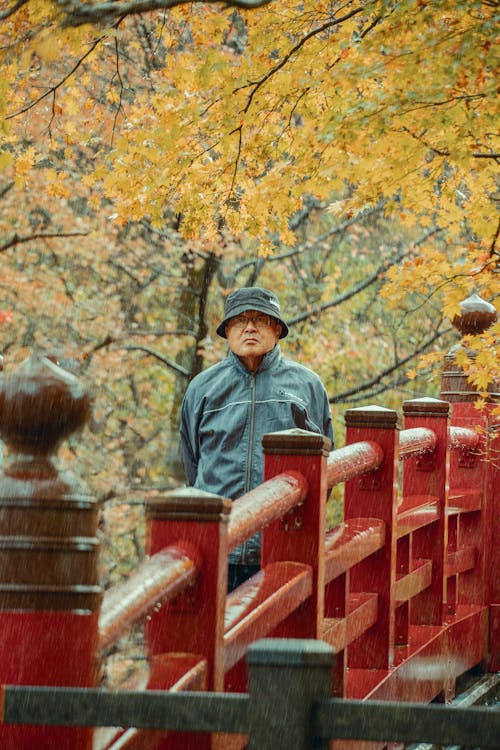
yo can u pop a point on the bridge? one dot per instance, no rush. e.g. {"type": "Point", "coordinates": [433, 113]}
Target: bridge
{"type": "Point", "coordinates": [342, 640]}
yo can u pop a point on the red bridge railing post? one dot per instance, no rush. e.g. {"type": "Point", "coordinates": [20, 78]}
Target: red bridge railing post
{"type": "Point", "coordinates": [425, 480]}
{"type": "Point", "coordinates": [375, 495]}
{"type": "Point", "coordinates": [49, 590]}
{"type": "Point", "coordinates": [493, 491]}
{"type": "Point", "coordinates": [300, 535]}
{"type": "Point", "coordinates": [193, 622]}
{"type": "Point", "coordinates": [475, 475]}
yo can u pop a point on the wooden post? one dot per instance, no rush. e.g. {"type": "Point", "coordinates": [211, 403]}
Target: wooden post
{"type": "Point", "coordinates": [195, 522]}
{"type": "Point", "coordinates": [300, 536]}
{"type": "Point", "coordinates": [192, 623]}
{"type": "Point", "coordinates": [375, 495]}
{"type": "Point", "coordinates": [493, 491]}
{"type": "Point", "coordinates": [476, 472]}
{"type": "Point", "coordinates": [425, 481]}
{"type": "Point", "coordinates": [49, 592]}
{"type": "Point", "coordinates": [286, 678]}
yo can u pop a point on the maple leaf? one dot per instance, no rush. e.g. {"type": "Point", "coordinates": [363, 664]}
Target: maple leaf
{"type": "Point", "coordinates": [6, 316]}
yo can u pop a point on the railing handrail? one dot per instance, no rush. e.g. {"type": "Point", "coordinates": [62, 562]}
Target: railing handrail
{"type": "Point", "coordinates": [415, 441]}
{"type": "Point", "coordinates": [156, 579]}
{"type": "Point", "coordinates": [353, 460]}
{"type": "Point", "coordinates": [463, 438]}
{"type": "Point", "coordinates": [268, 502]}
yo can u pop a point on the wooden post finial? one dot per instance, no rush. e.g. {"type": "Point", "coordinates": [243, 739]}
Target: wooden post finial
{"type": "Point", "coordinates": [476, 316]}
{"type": "Point", "coordinates": [40, 405]}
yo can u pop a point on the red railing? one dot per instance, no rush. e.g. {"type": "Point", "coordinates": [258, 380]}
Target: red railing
{"type": "Point", "coordinates": [383, 588]}
{"type": "Point", "coordinates": [406, 589]}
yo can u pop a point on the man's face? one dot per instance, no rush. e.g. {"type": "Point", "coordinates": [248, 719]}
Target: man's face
{"type": "Point", "coordinates": [251, 335]}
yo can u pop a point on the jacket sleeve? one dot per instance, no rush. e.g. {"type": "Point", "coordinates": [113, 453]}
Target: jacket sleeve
{"type": "Point", "coordinates": [328, 423]}
{"type": "Point", "coordinates": [327, 416]}
{"type": "Point", "coordinates": [189, 442]}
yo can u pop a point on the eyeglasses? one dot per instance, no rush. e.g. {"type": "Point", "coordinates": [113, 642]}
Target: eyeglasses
{"type": "Point", "coordinates": [240, 322]}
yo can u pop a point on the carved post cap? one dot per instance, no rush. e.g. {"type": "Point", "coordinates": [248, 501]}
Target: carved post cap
{"type": "Point", "coordinates": [296, 442]}
{"type": "Point", "coordinates": [188, 504]}
{"type": "Point", "coordinates": [40, 405]}
{"type": "Point", "coordinates": [48, 521]}
{"type": "Point", "coordinates": [476, 315]}
{"type": "Point", "coordinates": [428, 407]}
{"type": "Point", "coordinates": [377, 417]}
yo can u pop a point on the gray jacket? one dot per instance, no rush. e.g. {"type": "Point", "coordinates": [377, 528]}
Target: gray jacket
{"type": "Point", "coordinates": [227, 410]}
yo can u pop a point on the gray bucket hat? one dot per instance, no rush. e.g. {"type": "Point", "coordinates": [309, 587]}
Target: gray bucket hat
{"type": "Point", "coordinates": [252, 298]}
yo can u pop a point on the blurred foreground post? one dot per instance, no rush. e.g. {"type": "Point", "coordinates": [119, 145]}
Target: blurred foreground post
{"type": "Point", "coordinates": [286, 678]}
{"type": "Point", "coordinates": [49, 591]}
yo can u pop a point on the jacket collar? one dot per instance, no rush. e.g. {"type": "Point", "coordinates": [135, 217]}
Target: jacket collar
{"type": "Point", "coordinates": [268, 361]}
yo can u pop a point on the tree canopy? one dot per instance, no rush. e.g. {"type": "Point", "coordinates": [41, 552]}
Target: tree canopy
{"type": "Point", "coordinates": [244, 113]}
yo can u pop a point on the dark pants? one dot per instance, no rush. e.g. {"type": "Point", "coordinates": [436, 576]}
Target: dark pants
{"type": "Point", "coordinates": [239, 573]}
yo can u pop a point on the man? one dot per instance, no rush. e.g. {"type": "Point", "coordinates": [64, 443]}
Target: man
{"type": "Point", "coordinates": [230, 406]}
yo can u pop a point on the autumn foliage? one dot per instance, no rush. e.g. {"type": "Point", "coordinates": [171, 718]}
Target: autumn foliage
{"type": "Point", "coordinates": [344, 153]}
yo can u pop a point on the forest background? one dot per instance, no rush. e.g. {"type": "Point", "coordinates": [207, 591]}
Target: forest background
{"type": "Point", "coordinates": [344, 154]}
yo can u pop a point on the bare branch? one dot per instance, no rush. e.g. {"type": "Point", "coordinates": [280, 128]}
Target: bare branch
{"type": "Point", "coordinates": [16, 240]}
{"type": "Point", "coordinates": [359, 287]}
{"type": "Point", "coordinates": [257, 84]}
{"type": "Point", "coordinates": [156, 355]}
{"type": "Point", "coordinates": [51, 91]}
{"type": "Point", "coordinates": [98, 13]}
{"type": "Point", "coordinates": [397, 365]}
{"type": "Point", "coordinates": [10, 11]}
{"type": "Point", "coordinates": [4, 190]}
{"type": "Point", "coordinates": [493, 250]}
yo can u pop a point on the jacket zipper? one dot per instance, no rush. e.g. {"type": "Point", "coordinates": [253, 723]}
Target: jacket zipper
{"type": "Point", "coordinates": [250, 452]}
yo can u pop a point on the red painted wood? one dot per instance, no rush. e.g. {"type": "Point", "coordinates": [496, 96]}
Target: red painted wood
{"type": "Point", "coordinates": [352, 461]}
{"type": "Point", "coordinates": [494, 652]}
{"type": "Point", "coordinates": [156, 580]}
{"type": "Point", "coordinates": [492, 539]}
{"type": "Point", "coordinates": [347, 615]}
{"type": "Point", "coordinates": [414, 441]}
{"type": "Point", "coordinates": [196, 523]}
{"type": "Point", "coordinates": [417, 512]}
{"type": "Point", "coordinates": [299, 537]}
{"type": "Point", "coordinates": [439, 655]}
{"type": "Point", "coordinates": [361, 614]}
{"type": "Point", "coordinates": [260, 604]}
{"type": "Point", "coordinates": [458, 561]}
{"type": "Point", "coordinates": [464, 500]}
{"type": "Point", "coordinates": [423, 512]}
{"type": "Point", "coordinates": [463, 438]}
{"type": "Point", "coordinates": [49, 583]}
{"type": "Point", "coordinates": [406, 589]}
{"type": "Point", "coordinates": [352, 541]}
{"type": "Point", "coordinates": [410, 584]}
{"type": "Point", "coordinates": [469, 492]}
{"type": "Point", "coordinates": [265, 504]}
{"type": "Point", "coordinates": [375, 495]}
{"type": "Point", "coordinates": [47, 648]}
